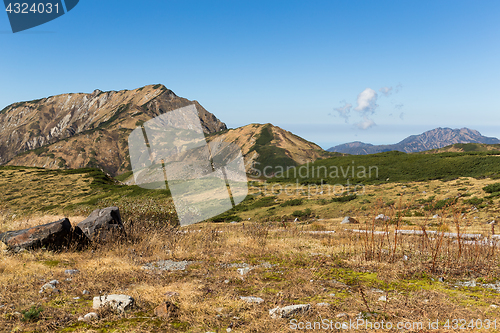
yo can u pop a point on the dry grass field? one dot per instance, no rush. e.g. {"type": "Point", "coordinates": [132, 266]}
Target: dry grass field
{"type": "Point", "coordinates": [280, 251]}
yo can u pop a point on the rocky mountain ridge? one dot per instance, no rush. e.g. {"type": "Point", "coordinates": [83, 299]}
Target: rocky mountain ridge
{"type": "Point", "coordinates": [433, 139]}
{"type": "Point", "coordinates": [85, 130]}
{"type": "Point", "coordinates": [91, 130]}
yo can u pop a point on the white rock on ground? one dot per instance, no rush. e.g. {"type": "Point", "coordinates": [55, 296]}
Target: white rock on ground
{"type": "Point", "coordinates": [287, 311]}
{"type": "Point", "coordinates": [349, 220]}
{"type": "Point", "coordinates": [252, 299]}
{"type": "Point", "coordinates": [89, 317]}
{"type": "Point", "coordinates": [51, 286]}
{"type": "Point", "coordinates": [244, 270]}
{"type": "Point", "coordinates": [116, 302]}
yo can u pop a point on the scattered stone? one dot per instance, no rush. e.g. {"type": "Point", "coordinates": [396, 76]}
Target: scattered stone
{"type": "Point", "coordinates": [166, 310]}
{"type": "Point", "coordinates": [435, 216]}
{"type": "Point", "coordinates": [51, 287]}
{"type": "Point", "coordinates": [171, 294]}
{"type": "Point", "coordinates": [86, 292]}
{"type": "Point", "coordinates": [382, 217]}
{"type": "Point", "coordinates": [251, 299]}
{"type": "Point", "coordinates": [288, 311]}
{"type": "Point", "coordinates": [76, 298]}
{"type": "Point", "coordinates": [91, 316]}
{"type": "Point", "coordinates": [332, 295]}
{"type": "Point", "coordinates": [349, 220]}
{"type": "Point", "coordinates": [267, 265]}
{"type": "Point", "coordinates": [168, 265]}
{"type": "Point", "coordinates": [375, 232]}
{"type": "Point", "coordinates": [494, 306]}
{"type": "Point", "coordinates": [71, 271]}
{"type": "Point", "coordinates": [341, 315]}
{"type": "Point", "coordinates": [323, 304]}
{"type": "Point", "coordinates": [53, 235]}
{"type": "Point", "coordinates": [338, 284]}
{"type": "Point", "coordinates": [236, 264]}
{"type": "Point", "coordinates": [226, 281]}
{"type": "Point", "coordinates": [244, 271]}
{"type": "Point", "coordinates": [102, 224]}
{"type": "Point", "coordinates": [118, 303]}
{"type": "Point", "coordinates": [319, 232]}
{"type": "Point", "coordinates": [382, 299]}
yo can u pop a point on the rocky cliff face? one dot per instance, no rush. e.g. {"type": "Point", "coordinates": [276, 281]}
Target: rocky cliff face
{"type": "Point", "coordinates": [433, 139]}
{"type": "Point", "coordinates": [85, 130]}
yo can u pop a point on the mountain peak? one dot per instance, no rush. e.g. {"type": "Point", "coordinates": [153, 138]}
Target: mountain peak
{"type": "Point", "coordinates": [432, 139]}
{"type": "Point", "coordinates": [78, 129]}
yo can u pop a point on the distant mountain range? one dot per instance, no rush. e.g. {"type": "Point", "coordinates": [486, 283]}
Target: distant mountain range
{"type": "Point", "coordinates": [433, 139]}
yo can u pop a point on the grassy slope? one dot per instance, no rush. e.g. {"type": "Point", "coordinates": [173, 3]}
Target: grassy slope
{"type": "Point", "coordinates": [308, 268]}
{"type": "Point", "coordinates": [398, 167]}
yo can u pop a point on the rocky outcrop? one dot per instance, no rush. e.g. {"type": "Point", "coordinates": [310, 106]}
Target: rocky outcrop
{"type": "Point", "coordinates": [80, 130]}
{"type": "Point", "coordinates": [119, 303]}
{"type": "Point", "coordinates": [102, 225]}
{"type": "Point", "coordinates": [52, 235]}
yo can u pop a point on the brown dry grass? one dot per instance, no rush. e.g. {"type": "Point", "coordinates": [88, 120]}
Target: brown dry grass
{"type": "Point", "coordinates": [308, 269]}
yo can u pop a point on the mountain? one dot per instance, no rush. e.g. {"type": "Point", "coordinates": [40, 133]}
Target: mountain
{"type": "Point", "coordinates": [433, 139]}
{"type": "Point", "coordinates": [266, 145]}
{"type": "Point", "coordinates": [466, 148]}
{"type": "Point", "coordinates": [91, 130]}
{"type": "Point", "coordinates": [85, 130]}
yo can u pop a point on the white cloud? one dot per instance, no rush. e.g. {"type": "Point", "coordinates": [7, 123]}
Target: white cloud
{"type": "Point", "coordinates": [367, 102]}
{"type": "Point", "coordinates": [344, 111]}
{"type": "Point", "coordinates": [386, 91]}
{"type": "Point", "coordinates": [365, 124]}
{"type": "Point", "coordinates": [402, 116]}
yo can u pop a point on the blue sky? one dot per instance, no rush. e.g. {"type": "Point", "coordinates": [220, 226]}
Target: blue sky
{"type": "Point", "coordinates": [296, 64]}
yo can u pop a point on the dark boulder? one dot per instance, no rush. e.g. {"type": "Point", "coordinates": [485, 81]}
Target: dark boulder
{"type": "Point", "coordinates": [52, 235]}
{"type": "Point", "coordinates": [102, 225]}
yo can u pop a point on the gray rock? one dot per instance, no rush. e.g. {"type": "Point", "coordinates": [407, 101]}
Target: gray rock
{"type": "Point", "coordinates": [382, 217]}
{"type": "Point", "coordinates": [252, 299]}
{"type": "Point", "coordinates": [102, 225]}
{"type": "Point", "coordinates": [51, 287]}
{"type": "Point", "coordinates": [288, 311]}
{"type": "Point", "coordinates": [323, 304]}
{"type": "Point", "coordinates": [244, 271]}
{"type": "Point", "coordinates": [71, 271]}
{"type": "Point", "coordinates": [53, 235]}
{"type": "Point", "coordinates": [91, 316]}
{"type": "Point", "coordinates": [349, 220]}
{"type": "Point", "coordinates": [118, 303]}
{"type": "Point", "coordinates": [168, 265]}
{"type": "Point", "coordinates": [86, 292]}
